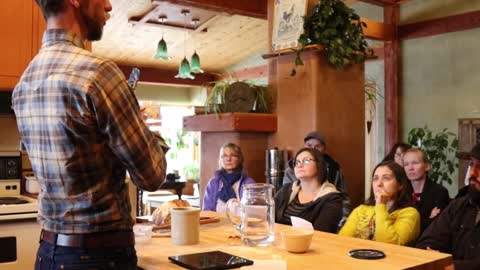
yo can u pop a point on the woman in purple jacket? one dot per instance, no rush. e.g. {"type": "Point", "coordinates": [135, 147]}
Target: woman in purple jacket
{"type": "Point", "coordinates": [228, 181]}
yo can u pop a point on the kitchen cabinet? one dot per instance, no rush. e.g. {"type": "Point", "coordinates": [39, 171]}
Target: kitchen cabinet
{"type": "Point", "coordinates": [21, 29]}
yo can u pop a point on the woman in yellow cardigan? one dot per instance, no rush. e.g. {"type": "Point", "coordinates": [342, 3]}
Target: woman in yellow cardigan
{"type": "Point", "coordinates": [387, 216]}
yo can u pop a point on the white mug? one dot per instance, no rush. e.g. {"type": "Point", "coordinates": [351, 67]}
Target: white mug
{"type": "Point", "coordinates": [185, 225]}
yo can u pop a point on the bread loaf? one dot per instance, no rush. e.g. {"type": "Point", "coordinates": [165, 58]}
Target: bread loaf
{"type": "Point", "coordinates": [161, 215]}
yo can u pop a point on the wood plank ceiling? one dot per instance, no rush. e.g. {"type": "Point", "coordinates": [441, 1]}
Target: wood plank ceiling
{"type": "Point", "coordinates": [227, 39]}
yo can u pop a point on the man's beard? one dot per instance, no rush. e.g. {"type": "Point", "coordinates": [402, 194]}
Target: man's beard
{"type": "Point", "coordinates": [474, 194]}
{"type": "Point", "coordinates": [94, 28]}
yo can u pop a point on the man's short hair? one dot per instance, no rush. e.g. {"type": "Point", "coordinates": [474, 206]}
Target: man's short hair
{"type": "Point", "coordinates": [418, 150]}
{"type": "Point", "coordinates": [315, 135]}
{"type": "Point", "coordinates": [51, 7]}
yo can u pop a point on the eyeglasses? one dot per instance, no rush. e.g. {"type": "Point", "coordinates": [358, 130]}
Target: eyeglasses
{"type": "Point", "coordinates": [398, 154]}
{"type": "Point", "coordinates": [304, 161]}
{"type": "Point", "coordinates": [224, 157]}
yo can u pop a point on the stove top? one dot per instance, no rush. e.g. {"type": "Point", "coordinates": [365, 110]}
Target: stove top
{"type": "Point", "coordinates": [12, 200]}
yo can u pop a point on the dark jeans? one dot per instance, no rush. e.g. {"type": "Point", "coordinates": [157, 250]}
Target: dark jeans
{"type": "Point", "coordinates": [51, 257]}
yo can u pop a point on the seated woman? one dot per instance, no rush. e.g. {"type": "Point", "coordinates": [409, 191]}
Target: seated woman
{"type": "Point", "coordinates": [228, 181]}
{"type": "Point", "coordinates": [311, 197]}
{"type": "Point", "coordinates": [396, 153]}
{"type": "Point", "coordinates": [387, 215]}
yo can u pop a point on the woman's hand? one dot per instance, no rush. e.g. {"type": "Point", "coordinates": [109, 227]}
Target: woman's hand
{"type": "Point", "coordinates": [382, 197]}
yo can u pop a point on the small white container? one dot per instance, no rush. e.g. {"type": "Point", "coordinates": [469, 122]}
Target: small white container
{"type": "Point", "coordinates": [31, 185]}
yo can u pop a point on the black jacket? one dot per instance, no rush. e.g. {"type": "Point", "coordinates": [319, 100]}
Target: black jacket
{"type": "Point", "coordinates": [325, 213]}
{"type": "Point", "coordinates": [433, 195]}
{"type": "Point", "coordinates": [455, 232]}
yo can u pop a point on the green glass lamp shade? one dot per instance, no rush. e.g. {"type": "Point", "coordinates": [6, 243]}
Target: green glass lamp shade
{"type": "Point", "coordinates": [184, 70]}
{"type": "Point", "coordinates": [195, 64]}
{"type": "Point", "coordinates": [162, 50]}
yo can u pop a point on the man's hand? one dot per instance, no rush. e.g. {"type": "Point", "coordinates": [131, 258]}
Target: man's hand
{"type": "Point", "coordinates": [435, 212]}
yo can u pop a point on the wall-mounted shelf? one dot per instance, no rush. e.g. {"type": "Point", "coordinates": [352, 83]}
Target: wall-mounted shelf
{"type": "Point", "coordinates": [226, 122]}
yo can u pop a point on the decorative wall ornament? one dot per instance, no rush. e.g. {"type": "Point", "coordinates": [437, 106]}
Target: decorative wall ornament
{"type": "Point", "coordinates": [287, 23]}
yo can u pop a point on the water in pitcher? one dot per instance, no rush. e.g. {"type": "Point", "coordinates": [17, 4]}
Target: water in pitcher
{"type": "Point", "coordinates": [257, 215]}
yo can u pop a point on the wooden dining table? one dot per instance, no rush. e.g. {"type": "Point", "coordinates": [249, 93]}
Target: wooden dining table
{"type": "Point", "coordinates": [327, 251]}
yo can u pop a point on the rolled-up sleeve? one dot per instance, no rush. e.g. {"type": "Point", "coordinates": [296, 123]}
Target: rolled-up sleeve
{"type": "Point", "coordinates": [118, 115]}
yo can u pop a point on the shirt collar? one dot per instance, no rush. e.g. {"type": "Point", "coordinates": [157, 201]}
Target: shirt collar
{"type": "Point", "coordinates": [55, 35]}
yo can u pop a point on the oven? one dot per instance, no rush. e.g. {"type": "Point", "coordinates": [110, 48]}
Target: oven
{"type": "Point", "coordinates": [19, 230]}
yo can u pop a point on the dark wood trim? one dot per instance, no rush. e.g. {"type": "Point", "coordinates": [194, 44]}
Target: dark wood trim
{"type": "Point", "coordinates": [391, 15]}
{"type": "Point", "coordinates": [381, 3]}
{"type": "Point", "coordinates": [251, 8]}
{"type": "Point", "coordinates": [438, 26]}
{"type": "Point", "coordinates": [165, 76]}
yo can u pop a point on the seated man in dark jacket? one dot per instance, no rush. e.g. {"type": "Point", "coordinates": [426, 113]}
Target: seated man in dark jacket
{"type": "Point", "coordinates": [457, 229]}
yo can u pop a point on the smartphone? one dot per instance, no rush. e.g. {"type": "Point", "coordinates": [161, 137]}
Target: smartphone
{"type": "Point", "coordinates": [213, 260]}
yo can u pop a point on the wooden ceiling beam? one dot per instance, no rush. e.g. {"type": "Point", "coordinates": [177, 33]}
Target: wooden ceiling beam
{"type": "Point", "coordinates": [439, 26]}
{"type": "Point", "coordinates": [381, 3]}
{"type": "Point", "coordinates": [250, 8]}
{"type": "Point", "coordinates": [166, 76]}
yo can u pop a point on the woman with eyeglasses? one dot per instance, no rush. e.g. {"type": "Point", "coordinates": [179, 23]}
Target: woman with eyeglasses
{"type": "Point", "coordinates": [311, 197]}
{"type": "Point", "coordinates": [228, 180]}
{"type": "Point", "coordinates": [388, 215]}
{"type": "Point", "coordinates": [396, 153]}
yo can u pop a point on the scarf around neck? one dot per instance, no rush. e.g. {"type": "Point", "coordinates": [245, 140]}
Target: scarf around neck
{"type": "Point", "coordinates": [228, 179]}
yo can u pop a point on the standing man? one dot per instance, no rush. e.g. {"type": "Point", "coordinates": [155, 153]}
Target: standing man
{"type": "Point", "coordinates": [457, 228]}
{"type": "Point", "coordinates": [428, 197]}
{"type": "Point", "coordinates": [82, 128]}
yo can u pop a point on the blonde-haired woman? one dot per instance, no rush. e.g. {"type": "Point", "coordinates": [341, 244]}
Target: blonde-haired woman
{"type": "Point", "coordinates": [228, 181]}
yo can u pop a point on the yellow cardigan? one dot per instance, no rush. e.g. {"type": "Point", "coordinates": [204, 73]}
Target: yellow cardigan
{"type": "Point", "coordinates": [400, 227]}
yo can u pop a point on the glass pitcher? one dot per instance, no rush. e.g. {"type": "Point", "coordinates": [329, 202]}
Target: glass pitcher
{"type": "Point", "coordinates": [256, 216]}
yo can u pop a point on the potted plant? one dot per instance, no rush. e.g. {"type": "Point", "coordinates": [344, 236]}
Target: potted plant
{"type": "Point", "coordinates": [336, 27]}
{"type": "Point", "coordinates": [439, 148]}
{"type": "Point", "coordinates": [191, 171]}
{"type": "Point", "coordinates": [371, 96]}
{"type": "Point", "coordinates": [238, 96]}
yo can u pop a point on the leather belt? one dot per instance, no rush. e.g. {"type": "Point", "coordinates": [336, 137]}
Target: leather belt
{"type": "Point", "coordinates": [91, 240]}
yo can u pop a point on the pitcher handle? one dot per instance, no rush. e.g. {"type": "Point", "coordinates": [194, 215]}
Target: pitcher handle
{"type": "Point", "coordinates": [231, 216]}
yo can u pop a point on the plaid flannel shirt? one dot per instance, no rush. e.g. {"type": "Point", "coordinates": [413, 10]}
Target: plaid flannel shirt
{"type": "Point", "coordinates": [81, 126]}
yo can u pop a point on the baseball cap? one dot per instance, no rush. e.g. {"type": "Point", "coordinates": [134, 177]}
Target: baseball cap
{"type": "Point", "coordinates": [474, 153]}
{"type": "Point", "coordinates": [315, 135]}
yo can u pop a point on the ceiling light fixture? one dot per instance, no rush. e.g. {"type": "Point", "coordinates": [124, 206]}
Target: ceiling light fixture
{"type": "Point", "coordinates": [184, 68]}
{"type": "Point", "coordinates": [162, 52]}
{"type": "Point", "coordinates": [195, 60]}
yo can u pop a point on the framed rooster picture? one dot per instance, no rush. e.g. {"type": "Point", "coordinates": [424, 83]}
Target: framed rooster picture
{"type": "Point", "coordinates": [287, 23]}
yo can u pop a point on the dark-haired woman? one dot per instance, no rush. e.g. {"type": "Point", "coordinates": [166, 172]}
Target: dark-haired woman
{"type": "Point", "coordinates": [311, 197]}
{"type": "Point", "coordinates": [396, 153]}
{"type": "Point", "coordinates": [387, 215]}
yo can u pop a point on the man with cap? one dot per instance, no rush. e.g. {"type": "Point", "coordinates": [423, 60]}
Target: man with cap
{"type": "Point", "coordinates": [457, 228]}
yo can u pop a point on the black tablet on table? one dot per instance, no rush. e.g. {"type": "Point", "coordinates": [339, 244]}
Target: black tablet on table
{"type": "Point", "coordinates": [213, 260]}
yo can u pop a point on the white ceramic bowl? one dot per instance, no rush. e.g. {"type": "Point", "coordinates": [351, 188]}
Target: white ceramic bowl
{"type": "Point", "coordinates": [296, 240]}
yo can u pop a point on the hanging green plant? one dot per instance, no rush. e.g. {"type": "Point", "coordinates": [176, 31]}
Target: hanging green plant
{"type": "Point", "coordinates": [338, 29]}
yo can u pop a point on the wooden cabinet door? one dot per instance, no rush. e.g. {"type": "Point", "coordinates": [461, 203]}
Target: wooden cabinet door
{"type": "Point", "coordinates": [16, 40]}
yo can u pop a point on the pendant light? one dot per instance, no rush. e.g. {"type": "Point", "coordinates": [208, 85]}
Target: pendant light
{"type": "Point", "coordinates": [184, 68]}
{"type": "Point", "coordinates": [195, 61]}
{"type": "Point", "coordinates": [162, 52]}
